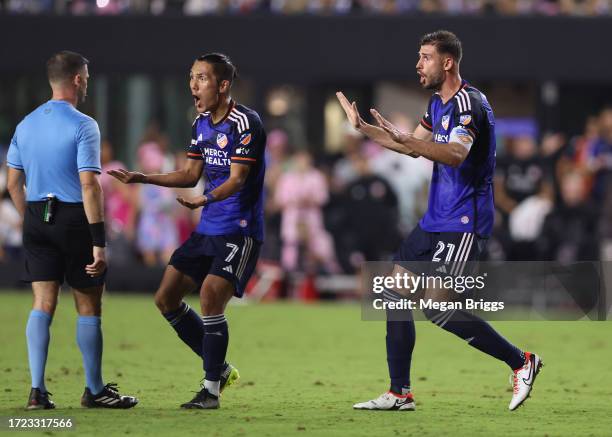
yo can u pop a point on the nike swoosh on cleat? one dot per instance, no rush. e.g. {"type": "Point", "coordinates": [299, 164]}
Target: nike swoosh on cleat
{"type": "Point", "coordinates": [529, 380]}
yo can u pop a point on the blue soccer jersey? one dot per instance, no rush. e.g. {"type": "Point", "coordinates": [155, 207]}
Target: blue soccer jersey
{"type": "Point", "coordinates": [461, 199]}
{"type": "Point", "coordinates": [52, 145]}
{"type": "Point", "coordinates": [238, 138]}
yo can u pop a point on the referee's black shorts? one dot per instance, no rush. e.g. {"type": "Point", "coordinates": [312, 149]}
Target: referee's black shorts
{"type": "Point", "coordinates": [60, 250]}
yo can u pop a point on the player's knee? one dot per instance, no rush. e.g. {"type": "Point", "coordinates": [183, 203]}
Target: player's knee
{"type": "Point", "coordinates": [214, 298]}
{"type": "Point", "coordinates": [89, 309]}
{"type": "Point", "coordinates": [46, 304]}
{"type": "Point", "coordinates": [212, 305]}
{"type": "Point", "coordinates": [165, 302]}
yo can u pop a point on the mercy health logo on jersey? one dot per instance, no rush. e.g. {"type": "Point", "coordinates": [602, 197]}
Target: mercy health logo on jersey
{"type": "Point", "coordinates": [439, 138]}
{"type": "Point", "coordinates": [245, 139]}
{"type": "Point", "coordinates": [221, 140]}
{"type": "Point", "coordinates": [465, 119]}
{"type": "Point", "coordinates": [216, 157]}
{"type": "Point", "coordinates": [445, 120]}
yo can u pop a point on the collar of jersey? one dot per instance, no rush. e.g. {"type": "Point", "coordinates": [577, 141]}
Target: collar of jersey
{"type": "Point", "coordinates": [232, 105]}
{"type": "Point", "coordinates": [464, 84]}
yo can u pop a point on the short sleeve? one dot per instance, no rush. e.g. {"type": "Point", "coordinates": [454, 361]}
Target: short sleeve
{"type": "Point", "coordinates": [193, 149]}
{"type": "Point", "coordinates": [426, 119]}
{"type": "Point", "coordinates": [250, 141]}
{"type": "Point", "coordinates": [88, 147]}
{"type": "Point", "coordinates": [13, 158]}
{"type": "Point", "coordinates": [469, 113]}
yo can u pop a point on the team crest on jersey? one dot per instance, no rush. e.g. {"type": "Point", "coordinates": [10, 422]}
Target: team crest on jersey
{"type": "Point", "coordinates": [465, 119]}
{"type": "Point", "coordinates": [445, 120]}
{"type": "Point", "coordinates": [245, 139]}
{"type": "Point", "coordinates": [221, 140]}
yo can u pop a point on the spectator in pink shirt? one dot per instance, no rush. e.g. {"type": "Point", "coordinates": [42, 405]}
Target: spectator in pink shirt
{"type": "Point", "coordinates": [301, 193]}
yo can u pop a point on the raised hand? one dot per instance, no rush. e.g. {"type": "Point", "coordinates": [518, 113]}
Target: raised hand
{"type": "Point", "coordinates": [194, 203]}
{"type": "Point", "coordinates": [351, 111]}
{"type": "Point", "coordinates": [127, 177]}
{"type": "Point", "coordinates": [396, 134]}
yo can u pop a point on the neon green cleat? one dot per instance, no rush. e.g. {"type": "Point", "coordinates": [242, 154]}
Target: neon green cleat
{"type": "Point", "coordinates": [229, 376]}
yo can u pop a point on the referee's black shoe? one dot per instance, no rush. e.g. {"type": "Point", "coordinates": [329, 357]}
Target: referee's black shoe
{"type": "Point", "coordinates": [109, 397]}
{"type": "Point", "coordinates": [39, 400]}
{"type": "Point", "coordinates": [203, 400]}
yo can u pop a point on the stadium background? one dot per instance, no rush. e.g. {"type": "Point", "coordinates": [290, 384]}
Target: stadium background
{"type": "Point", "coordinates": [543, 65]}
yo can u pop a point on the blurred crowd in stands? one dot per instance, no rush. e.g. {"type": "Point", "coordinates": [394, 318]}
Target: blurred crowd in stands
{"type": "Point", "coordinates": [328, 213]}
{"type": "Point", "coordinates": [202, 7]}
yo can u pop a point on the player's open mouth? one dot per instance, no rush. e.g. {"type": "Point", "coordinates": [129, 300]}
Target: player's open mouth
{"type": "Point", "coordinates": [196, 99]}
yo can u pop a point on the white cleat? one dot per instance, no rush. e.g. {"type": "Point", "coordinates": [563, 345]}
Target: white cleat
{"type": "Point", "coordinates": [388, 401]}
{"type": "Point", "coordinates": [523, 379]}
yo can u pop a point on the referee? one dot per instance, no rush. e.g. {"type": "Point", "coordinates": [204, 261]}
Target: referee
{"type": "Point", "coordinates": [56, 152]}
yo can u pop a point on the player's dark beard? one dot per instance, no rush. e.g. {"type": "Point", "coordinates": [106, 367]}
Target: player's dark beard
{"type": "Point", "coordinates": [436, 82]}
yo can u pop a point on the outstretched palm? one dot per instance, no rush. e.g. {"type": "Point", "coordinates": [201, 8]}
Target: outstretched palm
{"type": "Point", "coordinates": [127, 177]}
{"type": "Point", "coordinates": [396, 134]}
{"type": "Point", "coordinates": [351, 111]}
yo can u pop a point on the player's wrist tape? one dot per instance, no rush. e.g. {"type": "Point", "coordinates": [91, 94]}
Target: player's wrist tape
{"type": "Point", "coordinates": [98, 234]}
{"type": "Point", "coordinates": [210, 198]}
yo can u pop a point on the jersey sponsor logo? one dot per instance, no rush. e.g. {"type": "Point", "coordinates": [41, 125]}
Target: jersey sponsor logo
{"type": "Point", "coordinates": [245, 139]}
{"type": "Point", "coordinates": [441, 138]}
{"type": "Point", "coordinates": [465, 119]}
{"type": "Point", "coordinates": [221, 140]}
{"type": "Point", "coordinates": [242, 151]}
{"type": "Point", "coordinates": [445, 120]}
{"type": "Point", "coordinates": [216, 157]}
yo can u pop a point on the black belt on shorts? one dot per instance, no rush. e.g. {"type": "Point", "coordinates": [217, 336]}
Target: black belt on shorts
{"type": "Point", "coordinates": [59, 202]}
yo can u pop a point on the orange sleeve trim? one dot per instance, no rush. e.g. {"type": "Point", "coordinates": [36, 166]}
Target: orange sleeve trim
{"type": "Point", "coordinates": [236, 158]}
{"type": "Point", "coordinates": [425, 124]}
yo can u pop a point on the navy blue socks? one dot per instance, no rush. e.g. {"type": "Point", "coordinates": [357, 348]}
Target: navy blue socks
{"type": "Point", "coordinates": [188, 325]}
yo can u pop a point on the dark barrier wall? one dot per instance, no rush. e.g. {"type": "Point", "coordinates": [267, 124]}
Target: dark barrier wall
{"type": "Point", "coordinates": [313, 48]}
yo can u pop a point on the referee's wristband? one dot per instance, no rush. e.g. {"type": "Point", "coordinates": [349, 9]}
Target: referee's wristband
{"type": "Point", "coordinates": [98, 234]}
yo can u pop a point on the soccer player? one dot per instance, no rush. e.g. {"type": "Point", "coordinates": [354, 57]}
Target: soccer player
{"type": "Point", "coordinates": [227, 142]}
{"type": "Point", "coordinates": [56, 152]}
{"type": "Point", "coordinates": [457, 133]}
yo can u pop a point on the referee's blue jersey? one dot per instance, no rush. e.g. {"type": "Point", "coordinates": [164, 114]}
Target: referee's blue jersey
{"type": "Point", "coordinates": [52, 145]}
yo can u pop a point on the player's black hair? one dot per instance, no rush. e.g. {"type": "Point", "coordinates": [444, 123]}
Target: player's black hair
{"type": "Point", "coordinates": [65, 65]}
{"type": "Point", "coordinates": [222, 65]}
{"type": "Point", "coordinates": [445, 42]}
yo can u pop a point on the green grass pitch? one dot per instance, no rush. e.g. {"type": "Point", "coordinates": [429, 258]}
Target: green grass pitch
{"type": "Point", "coordinates": [302, 368]}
